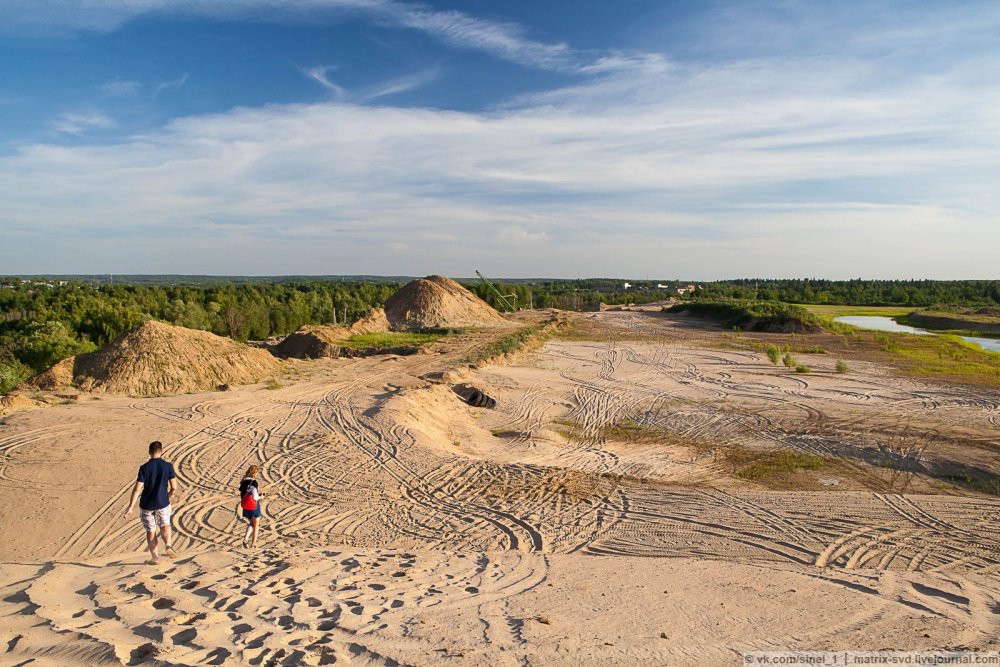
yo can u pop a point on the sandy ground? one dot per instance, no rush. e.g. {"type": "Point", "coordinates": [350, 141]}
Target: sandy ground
{"type": "Point", "coordinates": [405, 527]}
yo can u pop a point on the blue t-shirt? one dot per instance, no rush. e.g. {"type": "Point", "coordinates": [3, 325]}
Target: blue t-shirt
{"type": "Point", "coordinates": [154, 474]}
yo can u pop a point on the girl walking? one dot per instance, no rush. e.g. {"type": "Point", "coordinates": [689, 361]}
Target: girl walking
{"type": "Point", "coordinates": [250, 504]}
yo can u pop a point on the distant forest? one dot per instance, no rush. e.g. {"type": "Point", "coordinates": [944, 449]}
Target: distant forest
{"type": "Point", "coordinates": [44, 320]}
{"type": "Point", "coordinates": [916, 293]}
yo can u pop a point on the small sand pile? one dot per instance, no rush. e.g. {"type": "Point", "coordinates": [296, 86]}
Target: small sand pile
{"type": "Point", "coordinates": [317, 341]}
{"type": "Point", "coordinates": [313, 342]}
{"type": "Point", "coordinates": [159, 359]}
{"type": "Point", "coordinates": [374, 321]}
{"type": "Point", "coordinates": [57, 377]}
{"type": "Point", "coordinates": [436, 302]}
{"type": "Point", "coordinates": [13, 402]}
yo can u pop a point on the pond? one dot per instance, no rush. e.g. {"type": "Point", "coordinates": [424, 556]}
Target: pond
{"type": "Point", "coordinates": [880, 323]}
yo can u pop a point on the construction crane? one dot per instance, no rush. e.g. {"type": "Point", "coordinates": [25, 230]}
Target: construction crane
{"type": "Point", "coordinates": [504, 302]}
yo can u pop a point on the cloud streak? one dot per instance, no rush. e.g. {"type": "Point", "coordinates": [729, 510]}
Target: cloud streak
{"type": "Point", "coordinates": [394, 86]}
{"type": "Point", "coordinates": [505, 40]}
{"type": "Point", "coordinates": [318, 74]}
{"type": "Point", "coordinates": [172, 85]}
{"type": "Point", "coordinates": [119, 88]}
{"type": "Point", "coordinates": [78, 123]}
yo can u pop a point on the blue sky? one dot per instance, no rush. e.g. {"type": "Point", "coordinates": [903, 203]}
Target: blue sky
{"type": "Point", "coordinates": [687, 139]}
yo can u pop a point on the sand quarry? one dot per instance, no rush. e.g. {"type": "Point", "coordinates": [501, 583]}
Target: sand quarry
{"type": "Point", "coordinates": [403, 526]}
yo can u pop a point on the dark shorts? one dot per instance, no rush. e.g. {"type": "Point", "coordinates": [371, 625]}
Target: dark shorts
{"type": "Point", "coordinates": [252, 514]}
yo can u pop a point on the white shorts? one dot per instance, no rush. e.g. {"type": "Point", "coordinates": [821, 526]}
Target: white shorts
{"type": "Point", "coordinates": [153, 519]}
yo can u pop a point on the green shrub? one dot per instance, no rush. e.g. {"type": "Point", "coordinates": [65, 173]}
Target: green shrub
{"type": "Point", "coordinates": [774, 354]}
{"type": "Point", "coordinates": [842, 367]}
{"type": "Point", "coordinates": [45, 344]}
{"type": "Point", "coordinates": [789, 360]}
{"type": "Point", "coordinates": [12, 373]}
{"type": "Point", "coordinates": [802, 369]}
{"type": "Point", "coordinates": [272, 384]}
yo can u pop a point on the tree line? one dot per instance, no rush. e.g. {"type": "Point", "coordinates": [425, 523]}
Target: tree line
{"type": "Point", "coordinates": [916, 293]}
{"type": "Point", "coordinates": [45, 322]}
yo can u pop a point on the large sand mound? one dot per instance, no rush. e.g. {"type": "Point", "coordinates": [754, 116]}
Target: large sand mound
{"type": "Point", "coordinates": [159, 359]}
{"type": "Point", "coordinates": [436, 302]}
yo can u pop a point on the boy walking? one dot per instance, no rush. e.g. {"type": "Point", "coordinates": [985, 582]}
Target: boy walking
{"type": "Point", "coordinates": [153, 488]}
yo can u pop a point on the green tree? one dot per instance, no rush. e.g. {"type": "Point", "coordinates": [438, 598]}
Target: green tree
{"type": "Point", "coordinates": [47, 343]}
{"type": "Point", "coordinates": [12, 372]}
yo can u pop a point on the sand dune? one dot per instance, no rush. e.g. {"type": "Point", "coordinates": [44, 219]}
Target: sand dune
{"type": "Point", "coordinates": [403, 525]}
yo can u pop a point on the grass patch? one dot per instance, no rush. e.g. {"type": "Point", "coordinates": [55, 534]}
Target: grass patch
{"type": "Point", "coordinates": [573, 331]}
{"type": "Point", "coordinates": [773, 468]}
{"type": "Point", "coordinates": [990, 486]}
{"type": "Point", "coordinates": [831, 311]}
{"type": "Point", "coordinates": [631, 432]}
{"type": "Point", "coordinates": [510, 343]}
{"type": "Point", "coordinates": [628, 430]}
{"type": "Point", "coordinates": [272, 384]}
{"type": "Point", "coordinates": [773, 352]}
{"type": "Point", "coordinates": [763, 466]}
{"type": "Point", "coordinates": [941, 356]}
{"type": "Point", "coordinates": [390, 339]}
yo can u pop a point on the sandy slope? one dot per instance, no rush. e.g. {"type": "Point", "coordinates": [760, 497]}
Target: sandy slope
{"type": "Point", "coordinates": [159, 359]}
{"type": "Point", "coordinates": [402, 525]}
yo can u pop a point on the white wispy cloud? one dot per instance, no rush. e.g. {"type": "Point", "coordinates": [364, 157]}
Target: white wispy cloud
{"type": "Point", "coordinates": [119, 88]}
{"type": "Point", "coordinates": [401, 84]}
{"type": "Point", "coordinates": [319, 74]}
{"type": "Point", "coordinates": [80, 122]}
{"type": "Point", "coordinates": [761, 165]}
{"type": "Point", "coordinates": [518, 234]}
{"type": "Point", "coordinates": [503, 39]}
{"type": "Point", "coordinates": [506, 40]}
{"type": "Point", "coordinates": [175, 83]}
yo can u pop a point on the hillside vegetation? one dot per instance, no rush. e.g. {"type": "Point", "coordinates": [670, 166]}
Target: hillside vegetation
{"type": "Point", "coordinates": [770, 316]}
{"type": "Point", "coordinates": [981, 321]}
